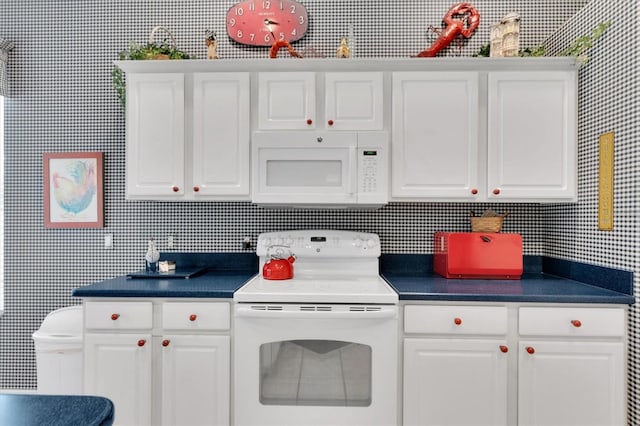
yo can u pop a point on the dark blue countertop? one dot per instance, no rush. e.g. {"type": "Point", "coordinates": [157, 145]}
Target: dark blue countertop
{"type": "Point", "coordinates": [545, 280]}
{"type": "Point", "coordinates": [224, 274]}
{"type": "Point", "coordinates": [54, 410]}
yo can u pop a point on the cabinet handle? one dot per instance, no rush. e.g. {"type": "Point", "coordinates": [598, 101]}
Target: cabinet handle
{"type": "Point", "coordinates": [166, 342]}
{"type": "Point", "coordinates": [175, 189]}
{"type": "Point", "coordinates": [196, 188]}
{"type": "Point", "coordinates": [474, 191]}
{"type": "Point", "coordinates": [141, 342]}
{"type": "Point", "coordinates": [330, 122]}
{"type": "Point", "coordinates": [193, 317]}
{"type": "Point", "coordinates": [576, 323]}
{"type": "Point", "coordinates": [115, 317]}
{"type": "Point", "coordinates": [496, 191]}
{"type": "Point", "coordinates": [530, 350]}
{"type": "Point", "coordinates": [457, 321]}
{"type": "Point", "coordinates": [504, 349]}
{"type": "Point", "coordinates": [309, 121]}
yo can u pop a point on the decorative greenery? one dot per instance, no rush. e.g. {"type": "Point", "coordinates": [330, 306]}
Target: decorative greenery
{"type": "Point", "coordinates": [576, 49]}
{"type": "Point", "coordinates": [142, 52]}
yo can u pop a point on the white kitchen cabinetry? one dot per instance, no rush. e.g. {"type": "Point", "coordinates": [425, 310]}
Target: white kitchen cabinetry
{"type": "Point", "coordinates": [484, 136]}
{"type": "Point", "coordinates": [571, 367]}
{"type": "Point", "coordinates": [188, 136]}
{"type": "Point", "coordinates": [456, 371]}
{"type": "Point", "coordinates": [295, 100]}
{"type": "Point", "coordinates": [160, 362]}
{"type": "Point", "coordinates": [435, 145]}
{"type": "Point", "coordinates": [532, 135]}
{"type": "Point", "coordinates": [527, 365]}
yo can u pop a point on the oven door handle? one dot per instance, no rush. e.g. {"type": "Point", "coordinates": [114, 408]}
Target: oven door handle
{"type": "Point", "coordinates": [253, 313]}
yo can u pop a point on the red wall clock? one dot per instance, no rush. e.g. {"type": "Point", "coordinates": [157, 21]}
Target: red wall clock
{"type": "Point", "coordinates": [263, 22]}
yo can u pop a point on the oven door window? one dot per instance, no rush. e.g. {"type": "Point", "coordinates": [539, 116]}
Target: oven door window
{"type": "Point", "coordinates": [315, 372]}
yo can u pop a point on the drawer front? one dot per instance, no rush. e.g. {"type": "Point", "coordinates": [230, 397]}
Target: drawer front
{"type": "Point", "coordinates": [478, 320]}
{"type": "Point", "coordinates": [594, 322]}
{"type": "Point", "coordinates": [118, 315]}
{"type": "Point", "coordinates": [196, 316]}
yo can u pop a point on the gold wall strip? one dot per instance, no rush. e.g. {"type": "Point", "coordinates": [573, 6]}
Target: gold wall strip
{"type": "Point", "coordinates": [605, 183]}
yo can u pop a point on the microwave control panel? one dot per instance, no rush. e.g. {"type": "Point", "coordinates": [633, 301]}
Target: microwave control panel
{"type": "Point", "coordinates": [373, 167]}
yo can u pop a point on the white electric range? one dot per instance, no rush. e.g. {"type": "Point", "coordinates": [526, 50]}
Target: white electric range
{"type": "Point", "coordinates": [321, 347]}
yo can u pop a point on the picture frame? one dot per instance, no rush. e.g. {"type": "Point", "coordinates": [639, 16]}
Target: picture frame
{"type": "Point", "coordinates": [73, 190]}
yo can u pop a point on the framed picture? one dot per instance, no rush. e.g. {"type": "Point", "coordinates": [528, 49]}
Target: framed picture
{"type": "Point", "coordinates": [73, 191]}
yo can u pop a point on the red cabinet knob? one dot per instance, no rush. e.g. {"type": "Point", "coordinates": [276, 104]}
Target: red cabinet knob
{"type": "Point", "coordinates": [166, 342]}
{"type": "Point", "coordinates": [474, 191]}
{"type": "Point", "coordinates": [196, 188]}
{"type": "Point", "coordinates": [175, 189]}
{"type": "Point", "coordinates": [141, 342]}
{"type": "Point", "coordinates": [576, 323]}
{"type": "Point", "coordinates": [530, 350]}
{"type": "Point", "coordinates": [496, 191]}
{"type": "Point", "coordinates": [309, 121]}
{"type": "Point", "coordinates": [193, 317]}
{"type": "Point", "coordinates": [115, 317]}
{"type": "Point", "coordinates": [330, 122]}
{"type": "Point", "coordinates": [504, 349]}
{"type": "Point", "coordinates": [457, 321]}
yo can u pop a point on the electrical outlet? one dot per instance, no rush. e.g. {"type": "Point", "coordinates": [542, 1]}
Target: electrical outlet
{"type": "Point", "coordinates": [170, 241]}
{"type": "Point", "coordinates": [108, 241]}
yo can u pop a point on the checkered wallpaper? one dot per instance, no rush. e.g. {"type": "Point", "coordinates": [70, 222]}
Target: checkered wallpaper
{"type": "Point", "coordinates": [61, 99]}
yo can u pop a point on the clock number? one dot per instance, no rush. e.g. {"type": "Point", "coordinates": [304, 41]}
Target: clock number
{"type": "Point", "coordinates": [252, 6]}
{"type": "Point", "coordinates": [232, 22]}
{"type": "Point", "coordinates": [281, 6]}
{"type": "Point", "coordinates": [294, 32]}
{"type": "Point", "coordinates": [239, 11]}
{"type": "Point", "coordinates": [281, 36]}
{"type": "Point", "coordinates": [239, 34]}
{"type": "Point", "coordinates": [301, 19]}
{"type": "Point", "coordinates": [293, 9]}
{"type": "Point", "coordinates": [266, 4]}
{"type": "Point", "coordinates": [267, 38]}
{"type": "Point", "coordinates": [252, 36]}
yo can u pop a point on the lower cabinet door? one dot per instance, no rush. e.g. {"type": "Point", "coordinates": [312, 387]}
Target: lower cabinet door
{"type": "Point", "coordinates": [195, 380]}
{"type": "Point", "coordinates": [564, 383]}
{"type": "Point", "coordinates": [455, 382]}
{"type": "Point", "coordinates": [118, 366]}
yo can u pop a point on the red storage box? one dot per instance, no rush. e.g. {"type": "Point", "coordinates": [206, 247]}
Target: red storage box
{"type": "Point", "coordinates": [477, 255]}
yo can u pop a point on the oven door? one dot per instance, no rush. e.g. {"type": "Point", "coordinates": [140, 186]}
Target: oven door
{"type": "Point", "coordinates": [304, 168]}
{"type": "Point", "coordinates": [308, 365]}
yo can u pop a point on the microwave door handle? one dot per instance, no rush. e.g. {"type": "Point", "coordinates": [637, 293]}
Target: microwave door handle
{"type": "Point", "coordinates": [352, 172]}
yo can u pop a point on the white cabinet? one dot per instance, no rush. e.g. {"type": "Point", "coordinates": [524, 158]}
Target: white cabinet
{"type": "Point", "coordinates": [435, 146]}
{"type": "Point", "coordinates": [456, 371]}
{"type": "Point", "coordinates": [551, 365]}
{"type": "Point", "coordinates": [188, 136]}
{"type": "Point", "coordinates": [532, 135]}
{"type": "Point", "coordinates": [310, 100]}
{"type": "Point", "coordinates": [484, 136]}
{"type": "Point", "coordinates": [160, 362]}
{"type": "Point", "coordinates": [195, 379]}
{"type": "Point", "coordinates": [155, 134]}
{"type": "Point", "coordinates": [571, 367]}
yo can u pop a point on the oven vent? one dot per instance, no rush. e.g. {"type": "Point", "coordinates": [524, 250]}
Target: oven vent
{"type": "Point", "coordinates": [266, 308]}
{"type": "Point", "coordinates": [365, 308]}
{"type": "Point", "coordinates": [311, 308]}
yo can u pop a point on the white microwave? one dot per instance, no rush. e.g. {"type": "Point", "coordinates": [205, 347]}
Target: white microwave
{"type": "Point", "coordinates": [320, 169]}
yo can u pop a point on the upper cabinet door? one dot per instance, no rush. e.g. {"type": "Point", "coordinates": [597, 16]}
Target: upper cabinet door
{"type": "Point", "coordinates": [155, 134]}
{"type": "Point", "coordinates": [221, 135]}
{"type": "Point", "coordinates": [435, 135]}
{"type": "Point", "coordinates": [286, 100]}
{"type": "Point", "coordinates": [354, 101]}
{"type": "Point", "coordinates": [532, 135]}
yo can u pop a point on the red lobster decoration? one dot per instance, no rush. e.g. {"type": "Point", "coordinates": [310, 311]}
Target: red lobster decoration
{"type": "Point", "coordinates": [453, 28]}
{"type": "Point", "coordinates": [273, 52]}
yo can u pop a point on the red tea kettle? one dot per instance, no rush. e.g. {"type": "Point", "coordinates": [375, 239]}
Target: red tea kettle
{"type": "Point", "coordinates": [278, 267]}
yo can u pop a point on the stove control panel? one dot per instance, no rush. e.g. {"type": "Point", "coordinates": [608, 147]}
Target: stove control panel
{"type": "Point", "coordinates": [321, 243]}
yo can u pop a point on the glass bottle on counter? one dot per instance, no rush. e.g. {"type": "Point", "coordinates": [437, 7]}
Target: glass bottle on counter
{"type": "Point", "coordinates": [151, 257]}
